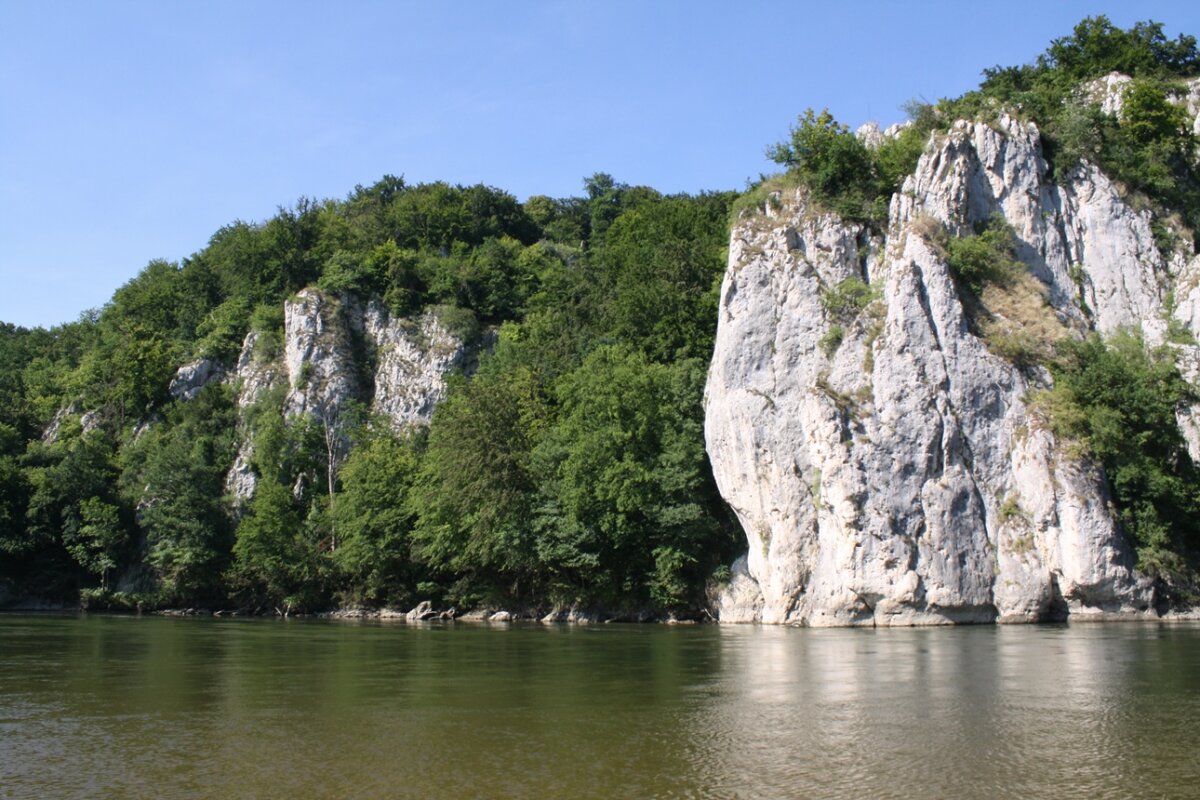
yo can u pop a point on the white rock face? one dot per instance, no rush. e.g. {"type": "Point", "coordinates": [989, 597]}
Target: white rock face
{"type": "Point", "coordinates": [741, 600]}
{"type": "Point", "coordinates": [1108, 92]}
{"type": "Point", "coordinates": [89, 421]}
{"type": "Point", "coordinates": [870, 135]}
{"type": "Point", "coordinates": [194, 376]}
{"type": "Point", "coordinates": [899, 477]}
{"type": "Point", "coordinates": [318, 356]}
{"type": "Point", "coordinates": [319, 366]}
{"type": "Point", "coordinates": [414, 358]}
{"type": "Point", "coordinates": [1189, 98]}
{"type": "Point", "coordinates": [257, 373]}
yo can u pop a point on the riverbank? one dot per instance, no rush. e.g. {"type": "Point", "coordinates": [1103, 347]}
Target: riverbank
{"type": "Point", "coordinates": [426, 612]}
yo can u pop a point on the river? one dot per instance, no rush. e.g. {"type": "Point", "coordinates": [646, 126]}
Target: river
{"type": "Point", "coordinates": [96, 706]}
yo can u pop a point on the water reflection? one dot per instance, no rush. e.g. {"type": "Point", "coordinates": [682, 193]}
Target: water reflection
{"type": "Point", "coordinates": [962, 712]}
{"type": "Point", "coordinates": [212, 708]}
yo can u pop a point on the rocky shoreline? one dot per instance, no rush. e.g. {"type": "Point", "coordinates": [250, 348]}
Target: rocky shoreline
{"type": "Point", "coordinates": [422, 612]}
{"type": "Point", "coordinates": [426, 613]}
{"type": "Point", "coordinates": [569, 616]}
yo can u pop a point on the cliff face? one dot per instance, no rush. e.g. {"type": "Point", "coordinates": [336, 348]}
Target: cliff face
{"type": "Point", "coordinates": [329, 344]}
{"type": "Point", "coordinates": [414, 356]}
{"type": "Point", "coordinates": [886, 464]}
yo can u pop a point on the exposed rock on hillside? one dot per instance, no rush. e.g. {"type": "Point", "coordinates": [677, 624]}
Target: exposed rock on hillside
{"type": "Point", "coordinates": [328, 343]}
{"type": "Point", "coordinates": [256, 375]}
{"type": "Point", "coordinates": [884, 462]}
{"type": "Point", "coordinates": [414, 357]}
{"type": "Point", "coordinates": [318, 355]}
{"type": "Point", "coordinates": [194, 376]}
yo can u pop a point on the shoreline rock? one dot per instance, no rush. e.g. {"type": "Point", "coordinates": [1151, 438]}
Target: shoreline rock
{"type": "Point", "coordinates": [560, 617]}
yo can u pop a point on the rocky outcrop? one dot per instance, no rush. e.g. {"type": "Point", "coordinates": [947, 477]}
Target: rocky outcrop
{"type": "Point", "coordinates": [192, 377]}
{"type": "Point", "coordinates": [414, 356]}
{"type": "Point", "coordinates": [885, 463]}
{"type": "Point", "coordinates": [50, 434]}
{"type": "Point", "coordinates": [189, 380]}
{"type": "Point", "coordinates": [870, 134]}
{"type": "Point", "coordinates": [89, 421]}
{"type": "Point", "coordinates": [1107, 92]}
{"type": "Point", "coordinates": [329, 342]}
{"type": "Point", "coordinates": [318, 356]}
{"type": "Point", "coordinates": [257, 374]}
{"type": "Point", "coordinates": [1189, 98]}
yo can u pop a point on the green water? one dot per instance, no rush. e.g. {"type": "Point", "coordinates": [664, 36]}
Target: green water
{"type": "Point", "coordinates": [151, 707]}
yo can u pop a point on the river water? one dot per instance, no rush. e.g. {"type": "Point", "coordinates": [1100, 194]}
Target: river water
{"type": "Point", "coordinates": [154, 707]}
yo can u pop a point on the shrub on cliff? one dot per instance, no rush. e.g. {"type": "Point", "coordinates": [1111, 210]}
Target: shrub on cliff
{"type": "Point", "coordinates": [845, 175]}
{"type": "Point", "coordinates": [833, 163]}
{"type": "Point", "coordinates": [1117, 399]}
{"type": "Point", "coordinates": [988, 257]}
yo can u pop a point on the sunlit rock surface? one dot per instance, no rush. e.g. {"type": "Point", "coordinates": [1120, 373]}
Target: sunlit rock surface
{"type": "Point", "coordinates": [887, 466]}
{"type": "Point", "coordinates": [335, 352]}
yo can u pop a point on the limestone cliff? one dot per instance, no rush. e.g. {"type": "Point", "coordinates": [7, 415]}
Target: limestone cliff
{"type": "Point", "coordinates": [885, 463]}
{"type": "Point", "coordinates": [331, 347]}
{"type": "Point", "coordinates": [413, 355]}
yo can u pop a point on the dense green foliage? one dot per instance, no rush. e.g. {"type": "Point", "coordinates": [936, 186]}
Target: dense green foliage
{"type": "Point", "coordinates": [374, 522]}
{"type": "Point", "coordinates": [605, 306]}
{"type": "Point", "coordinates": [173, 475]}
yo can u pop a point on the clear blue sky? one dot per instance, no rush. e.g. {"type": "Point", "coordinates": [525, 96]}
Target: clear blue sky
{"type": "Point", "coordinates": [133, 130]}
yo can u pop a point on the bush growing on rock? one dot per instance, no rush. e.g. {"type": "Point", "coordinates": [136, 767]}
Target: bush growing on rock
{"type": "Point", "coordinates": [846, 299]}
{"type": "Point", "coordinates": [833, 163]}
{"type": "Point", "coordinates": [988, 257]}
{"type": "Point", "coordinates": [1117, 400]}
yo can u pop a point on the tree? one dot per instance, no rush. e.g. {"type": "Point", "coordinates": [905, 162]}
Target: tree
{"type": "Point", "coordinates": [833, 163]}
{"type": "Point", "coordinates": [94, 536]}
{"type": "Point", "coordinates": [473, 492]}
{"type": "Point", "coordinates": [221, 333]}
{"type": "Point", "coordinates": [128, 373]}
{"type": "Point", "coordinates": [273, 564]}
{"type": "Point", "coordinates": [333, 423]}
{"type": "Point", "coordinates": [1098, 47]}
{"type": "Point", "coordinates": [665, 260]}
{"type": "Point", "coordinates": [1119, 398]}
{"type": "Point", "coordinates": [72, 528]}
{"type": "Point", "coordinates": [175, 475]}
{"type": "Point", "coordinates": [375, 517]}
{"type": "Point", "coordinates": [1151, 148]}
{"type": "Point", "coordinates": [627, 510]}
{"type": "Point", "coordinates": [14, 494]}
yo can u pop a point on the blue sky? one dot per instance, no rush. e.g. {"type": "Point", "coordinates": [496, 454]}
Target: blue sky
{"type": "Point", "coordinates": [134, 130]}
